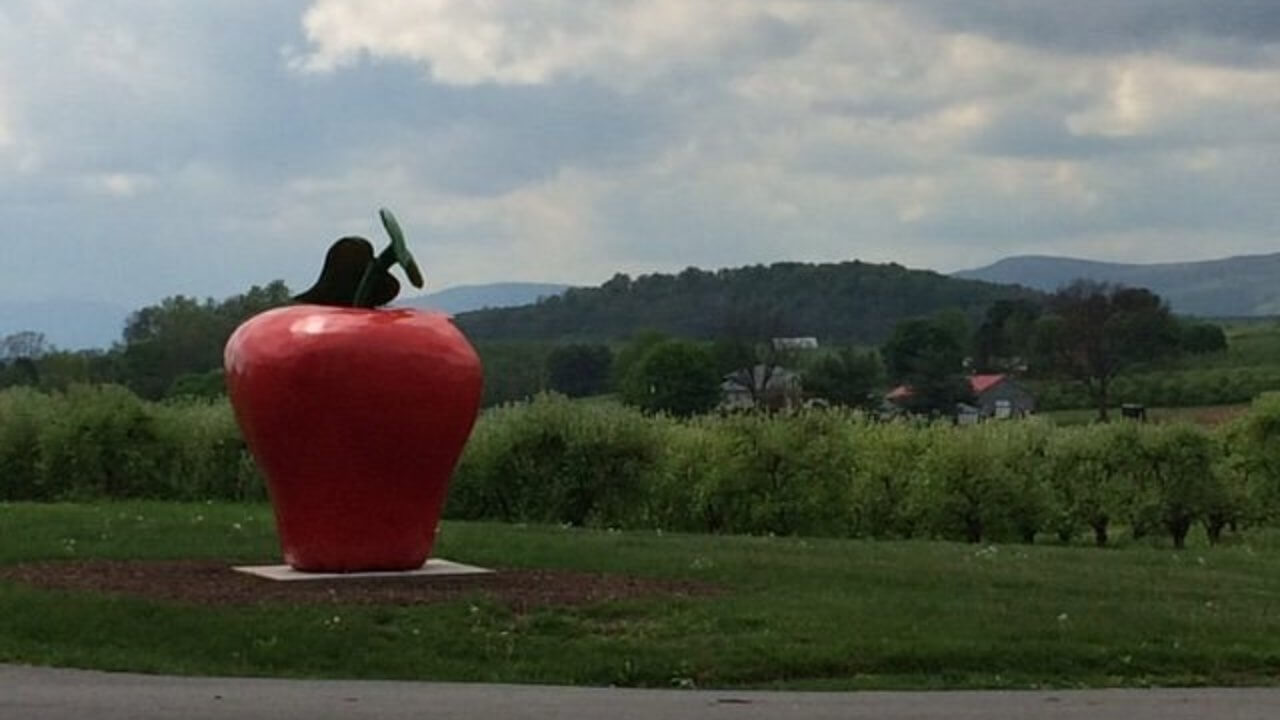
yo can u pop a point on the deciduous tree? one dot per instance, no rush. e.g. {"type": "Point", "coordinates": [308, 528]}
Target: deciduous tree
{"type": "Point", "coordinates": [673, 376]}
{"type": "Point", "coordinates": [1094, 331]}
{"type": "Point", "coordinates": [927, 357]}
{"type": "Point", "coordinates": [845, 377]}
{"type": "Point", "coordinates": [579, 370]}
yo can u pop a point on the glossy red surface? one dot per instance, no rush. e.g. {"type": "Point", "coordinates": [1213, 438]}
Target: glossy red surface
{"type": "Point", "coordinates": [357, 418]}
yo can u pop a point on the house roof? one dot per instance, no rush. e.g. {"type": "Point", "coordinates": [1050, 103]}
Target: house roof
{"type": "Point", "coordinates": [978, 383]}
{"type": "Point", "coordinates": [983, 383]}
{"type": "Point", "coordinates": [898, 393]}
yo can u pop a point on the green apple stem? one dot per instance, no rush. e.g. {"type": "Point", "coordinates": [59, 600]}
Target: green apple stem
{"type": "Point", "coordinates": [396, 252]}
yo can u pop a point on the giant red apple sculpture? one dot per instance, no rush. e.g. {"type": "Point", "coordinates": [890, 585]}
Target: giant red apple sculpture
{"type": "Point", "coordinates": [356, 415]}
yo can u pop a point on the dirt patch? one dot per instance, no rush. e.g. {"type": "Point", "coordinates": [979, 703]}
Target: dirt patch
{"type": "Point", "coordinates": [204, 582]}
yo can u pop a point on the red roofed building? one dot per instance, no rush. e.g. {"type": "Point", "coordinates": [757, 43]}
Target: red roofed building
{"type": "Point", "coordinates": [996, 395]}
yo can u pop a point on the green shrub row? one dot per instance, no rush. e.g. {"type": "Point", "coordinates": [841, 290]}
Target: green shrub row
{"type": "Point", "coordinates": [103, 441]}
{"type": "Point", "coordinates": [819, 472]}
{"type": "Point", "coordinates": [836, 473]}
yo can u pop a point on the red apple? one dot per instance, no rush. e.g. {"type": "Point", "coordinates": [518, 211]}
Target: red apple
{"type": "Point", "coordinates": [357, 417]}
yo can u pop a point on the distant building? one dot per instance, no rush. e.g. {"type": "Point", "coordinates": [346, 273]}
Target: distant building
{"type": "Point", "coordinates": [1000, 396]}
{"type": "Point", "coordinates": [995, 396]}
{"type": "Point", "coordinates": [770, 386]}
{"type": "Point", "coordinates": [795, 343]}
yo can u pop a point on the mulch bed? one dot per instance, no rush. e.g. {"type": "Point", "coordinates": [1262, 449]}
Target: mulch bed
{"type": "Point", "coordinates": [205, 582]}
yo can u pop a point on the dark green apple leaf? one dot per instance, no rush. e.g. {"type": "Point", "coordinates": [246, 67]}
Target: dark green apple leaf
{"type": "Point", "coordinates": [344, 266]}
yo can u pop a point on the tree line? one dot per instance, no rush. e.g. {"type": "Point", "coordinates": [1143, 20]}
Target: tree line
{"type": "Point", "coordinates": [1085, 333]}
{"type": "Point", "coordinates": [171, 348]}
{"type": "Point", "coordinates": [1088, 334]}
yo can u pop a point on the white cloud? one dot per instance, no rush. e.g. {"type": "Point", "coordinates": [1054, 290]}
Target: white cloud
{"type": "Point", "coordinates": [466, 42]}
{"type": "Point", "coordinates": [1160, 95]}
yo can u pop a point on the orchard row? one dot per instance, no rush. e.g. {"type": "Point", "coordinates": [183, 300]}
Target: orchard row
{"type": "Point", "coordinates": [819, 472]}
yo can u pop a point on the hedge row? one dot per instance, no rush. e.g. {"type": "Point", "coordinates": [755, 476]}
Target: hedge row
{"type": "Point", "coordinates": [103, 441]}
{"type": "Point", "coordinates": [822, 472]}
{"type": "Point", "coordinates": [843, 474]}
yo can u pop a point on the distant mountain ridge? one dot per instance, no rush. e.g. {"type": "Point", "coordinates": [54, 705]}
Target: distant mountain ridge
{"type": "Point", "coordinates": [465, 298]}
{"type": "Point", "coordinates": [1239, 286]}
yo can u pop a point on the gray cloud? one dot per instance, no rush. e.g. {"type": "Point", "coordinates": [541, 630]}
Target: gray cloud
{"type": "Point", "coordinates": [149, 149]}
{"type": "Point", "coordinates": [1088, 26]}
{"type": "Point", "coordinates": [1040, 130]}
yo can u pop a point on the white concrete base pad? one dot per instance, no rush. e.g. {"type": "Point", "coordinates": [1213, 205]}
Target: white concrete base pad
{"type": "Point", "coordinates": [435, 567]}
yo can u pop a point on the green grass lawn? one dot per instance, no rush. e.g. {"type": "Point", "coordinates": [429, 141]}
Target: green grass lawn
{"type": "Point", "coordinates": [795, 613]}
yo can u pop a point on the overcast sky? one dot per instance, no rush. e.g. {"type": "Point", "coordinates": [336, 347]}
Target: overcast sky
{"type": "Point", "coordinates": [170, 146]}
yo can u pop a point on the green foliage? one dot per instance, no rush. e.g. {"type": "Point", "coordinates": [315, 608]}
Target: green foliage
{"type": "Point", "coordinates": [846, 377]}
{"type": "Point", "coordinates": [1024, 454]}
{"type": "Point", "coordinates": [674, 377]}
{"type": "Point", "coordinates": [1085, 469]}
{"type": "Point", "coordinates": [1176, 480]}
{"type": "Point", "coordinates": [1189, 387]}
{"type": "Point", "coordinates": [24, 344]}
{"type": "Point", "coordinates": [788, 478]}
{"type": "Point", "coordinates": [205, 457]}
{"type": "Point", "coordinates": [20, 354]}
{"type": "Point", "coordinates": [103, 441]}
{"type": "Point", "coordinates": [512, 370]}
{"type": "Point", "coordinates": [1199, 338]}
{"type": "Point", "coordinates": [19, 372]}
{"type": "Point", "coordinates": [811, 472]}
{"type": "Point", "coordinates": [206, 385]}
{"type": "Point", "coordinates": [637, 346]}
{"type": "Point", "coordinates": [733, 354]}
{"type": "Point", "coordinates": [1095, 332]}
{"type": "Point", "coordinates": [683, 495]}
{"type": "Point", "coordinates": [60, 369]}
{"type": "Point", "coordinates": [887, 467]}
{"type": "Point", "coordinates": [1003, 340]}
{"type": "Point", "coordinates": [964, 491]}
{"type": "Point", "coordinates": [23, 414]}
{"type": "Point", "coordinates": [579, 370]}
{"type": "Point", "coordinates": [830, 472]}
{"type": "Point", "coordinates": [1247, 345]}
{"type": "Point", "coordinates": [922, 347]}
{"type": "Point", "coordinates": [1251, 467]}
{"type": "Point", "coordinates": [182, 335]}
{"type": "Point", "coordinates": [927, 356]}
{"type": "Point", "coordinates": [556, 461]}
{"type": "Point", "coordinates": [852, 302]}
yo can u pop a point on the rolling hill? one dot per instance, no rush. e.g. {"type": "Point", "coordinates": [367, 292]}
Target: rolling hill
{"type": "Point", "coordinates": [849, 302]}
{"type": "Point", "coordinates": [1244, 285]}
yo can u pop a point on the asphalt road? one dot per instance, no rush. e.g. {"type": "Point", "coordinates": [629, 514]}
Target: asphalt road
{"type": "Point", "coordinates": [50, 694]}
